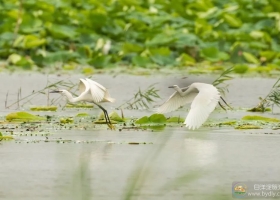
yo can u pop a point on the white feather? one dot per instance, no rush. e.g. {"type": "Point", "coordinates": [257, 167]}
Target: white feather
{"type": "Point", "coordinates": [97, 91]}
{"type": "Point", "coordinates": [175, 101]}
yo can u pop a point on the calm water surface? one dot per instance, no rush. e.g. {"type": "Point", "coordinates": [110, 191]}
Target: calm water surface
{"type": "Point", "coordinates": [179, 164]}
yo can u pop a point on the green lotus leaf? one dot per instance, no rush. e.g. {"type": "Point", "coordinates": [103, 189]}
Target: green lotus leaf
{"type": "Point", "coordinates": [23, 116]}
{"type": "Point", "coordinates": [44, 108]}
{"type": "Point", "coordinates": [260, 118]}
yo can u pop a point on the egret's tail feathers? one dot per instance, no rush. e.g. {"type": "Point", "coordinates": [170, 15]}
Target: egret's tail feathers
{"type": "Point", "coordinates": [109, 99]}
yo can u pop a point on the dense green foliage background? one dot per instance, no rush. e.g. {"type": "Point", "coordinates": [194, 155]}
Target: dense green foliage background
{"type": "Point", "coordinates": [142, 32]}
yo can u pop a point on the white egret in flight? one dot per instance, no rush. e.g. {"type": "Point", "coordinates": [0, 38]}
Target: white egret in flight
{"type": "Point", "coordinates": [203, 98]}
{"type": "Point", "coordinates": [92, 92]}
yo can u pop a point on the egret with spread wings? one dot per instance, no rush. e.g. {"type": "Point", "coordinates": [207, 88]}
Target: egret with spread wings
{"type": "Point", "coordinates": [203, 98]}
{"type": "Point", "coordinates": [93, 92]}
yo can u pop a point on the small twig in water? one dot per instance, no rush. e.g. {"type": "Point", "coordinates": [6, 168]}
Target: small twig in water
{"type": "Point", "coordinates": [6, 100]}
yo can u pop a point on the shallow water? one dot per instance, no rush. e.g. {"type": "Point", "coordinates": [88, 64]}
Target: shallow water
{"type": "Point", "coordinates": [176, 163]}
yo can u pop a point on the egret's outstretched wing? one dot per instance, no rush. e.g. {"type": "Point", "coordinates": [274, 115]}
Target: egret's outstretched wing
{"type": "Point", "coordinates": [176, 101]}
{"type": "Point", "coordinates": [203, 104]}
{"type": "Point", "coordinates": [97, 91]}
{"type": "Point", "coordinates": [84, 90]}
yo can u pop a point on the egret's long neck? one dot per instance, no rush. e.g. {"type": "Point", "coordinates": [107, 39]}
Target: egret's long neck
{"type": "Point", "coordinates": [70, 97]}
{"type": "Point", "coordinates": [180, 91]}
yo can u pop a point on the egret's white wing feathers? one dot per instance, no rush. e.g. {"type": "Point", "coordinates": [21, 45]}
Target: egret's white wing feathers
{"type": "Point", "coordinates": [176, 101]}
{"type": "Point", "coordinates": [97, 91]}
{"type": "Point", "coordinates": [97, 84]}
{"type": "Point", "coordinates": [84, 90]}
{"type": "Point", "coordinates": [82, 85]}
{"type": "Point", "coordinates": [203, 104]}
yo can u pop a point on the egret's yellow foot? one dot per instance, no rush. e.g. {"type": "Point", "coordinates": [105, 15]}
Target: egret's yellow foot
{"type": "Point", "coordinates": [111, 126]}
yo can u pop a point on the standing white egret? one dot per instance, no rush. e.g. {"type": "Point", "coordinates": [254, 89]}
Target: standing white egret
{"type": "Point", "coordinates": [204, 98]}
{"type": "Point", "coordinates": [92, 92]}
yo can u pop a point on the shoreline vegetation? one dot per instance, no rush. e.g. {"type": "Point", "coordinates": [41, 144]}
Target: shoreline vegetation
{"type": "Point", "coordinates": [158, 34]}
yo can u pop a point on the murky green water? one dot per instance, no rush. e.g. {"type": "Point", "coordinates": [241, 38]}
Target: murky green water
{"type": "Point", "coordinates": [100, 164]}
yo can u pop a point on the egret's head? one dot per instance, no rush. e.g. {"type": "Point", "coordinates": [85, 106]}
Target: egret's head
{"type": "Point", "coordinates": [173, 86]}
{"type": "Point", "coordinates": [63, 92]}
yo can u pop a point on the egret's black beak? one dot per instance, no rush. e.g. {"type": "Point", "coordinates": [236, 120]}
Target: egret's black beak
{"type": "Point", "coordinates": [55, 91]}
{"type": "Point", "coordinates": [171, 86]}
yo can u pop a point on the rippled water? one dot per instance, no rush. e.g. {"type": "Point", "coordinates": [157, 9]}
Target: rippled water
{"type": "Point", "coordinates": [179, 164]}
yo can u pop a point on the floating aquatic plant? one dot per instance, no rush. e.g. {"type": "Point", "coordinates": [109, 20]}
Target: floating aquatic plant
{"type": "Point", "coordinates": [227, 123]}
{"type": "Point", "coordinates": [153, 119]}
{"type": "Point", "coordinates": [23, 116]}
{"type": "Point", "coordinates": [82, 115]}
{"type": "Point", "coordinates": [248, 126]}
{"type": "Point", "coordinates": [44, 108]}
{"type": "Point", "coordinates": [114, 118]}
{"type": "Point", "coordinates": [260, 118]}
{"type": "Point", "coordinates": [5, 137]}
{"type": "Point", "coordinates": [175, 120]}
{"type": "Point", "coordinates": [66, 120]}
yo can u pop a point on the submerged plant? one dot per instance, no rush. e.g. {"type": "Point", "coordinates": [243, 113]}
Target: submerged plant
{"type": "Point", "coordinates": [219, 83]}
{"type": "Point", "coordinates": [142, 99]}
{"type": "Point", "coordinates": [271, 99]}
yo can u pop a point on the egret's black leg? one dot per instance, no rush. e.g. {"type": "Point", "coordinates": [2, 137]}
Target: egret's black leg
{"type": "Point", "coordinates": [226, 103]}
{"type": "Point", "coordinates": [107, 118]}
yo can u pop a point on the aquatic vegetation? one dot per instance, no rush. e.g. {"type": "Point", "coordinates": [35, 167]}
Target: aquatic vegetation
{"type": "Point", "coordinates": [142, 120]}
{"type": "Point", "coordinates": [208, 29]}
{"type": "Point", "coordinates": [44, 108]}
{"type": "Point", "coordinates": [175, 120]}
{"type": "Point", "coordinates": [5, 137]}
{"type": "Point", "coordinates": [260, 118]}
{"type": "Point", "coordinates": [82, 115]}
{"type": "Point", "coordinates": [153, 119]}
{"type": "Point", "coordinates": [23, 116]}
{"type": "Point", "coordinates": [259, 109]}
{"type": "Point", "coordinates": [141, 99]}
{"type": "Point", "coordinates": [240, 68]}
{"type": "Point", "coordinates": [21, 101]}
{"type": "Point", "coordinates": [66, 120]}
{"type": "Point", "coordinates": [228, 123]}
{"type": "Point", "coordinates": [153, 127]}
{"type": "Point", "coordinates": [248, 126]}
{"type": "Point", "coordinates": [114, 118]}
{"type": "Point", "coordinates": [271, 99]}
{"type": "Point", "coordinates": [219, 82]}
